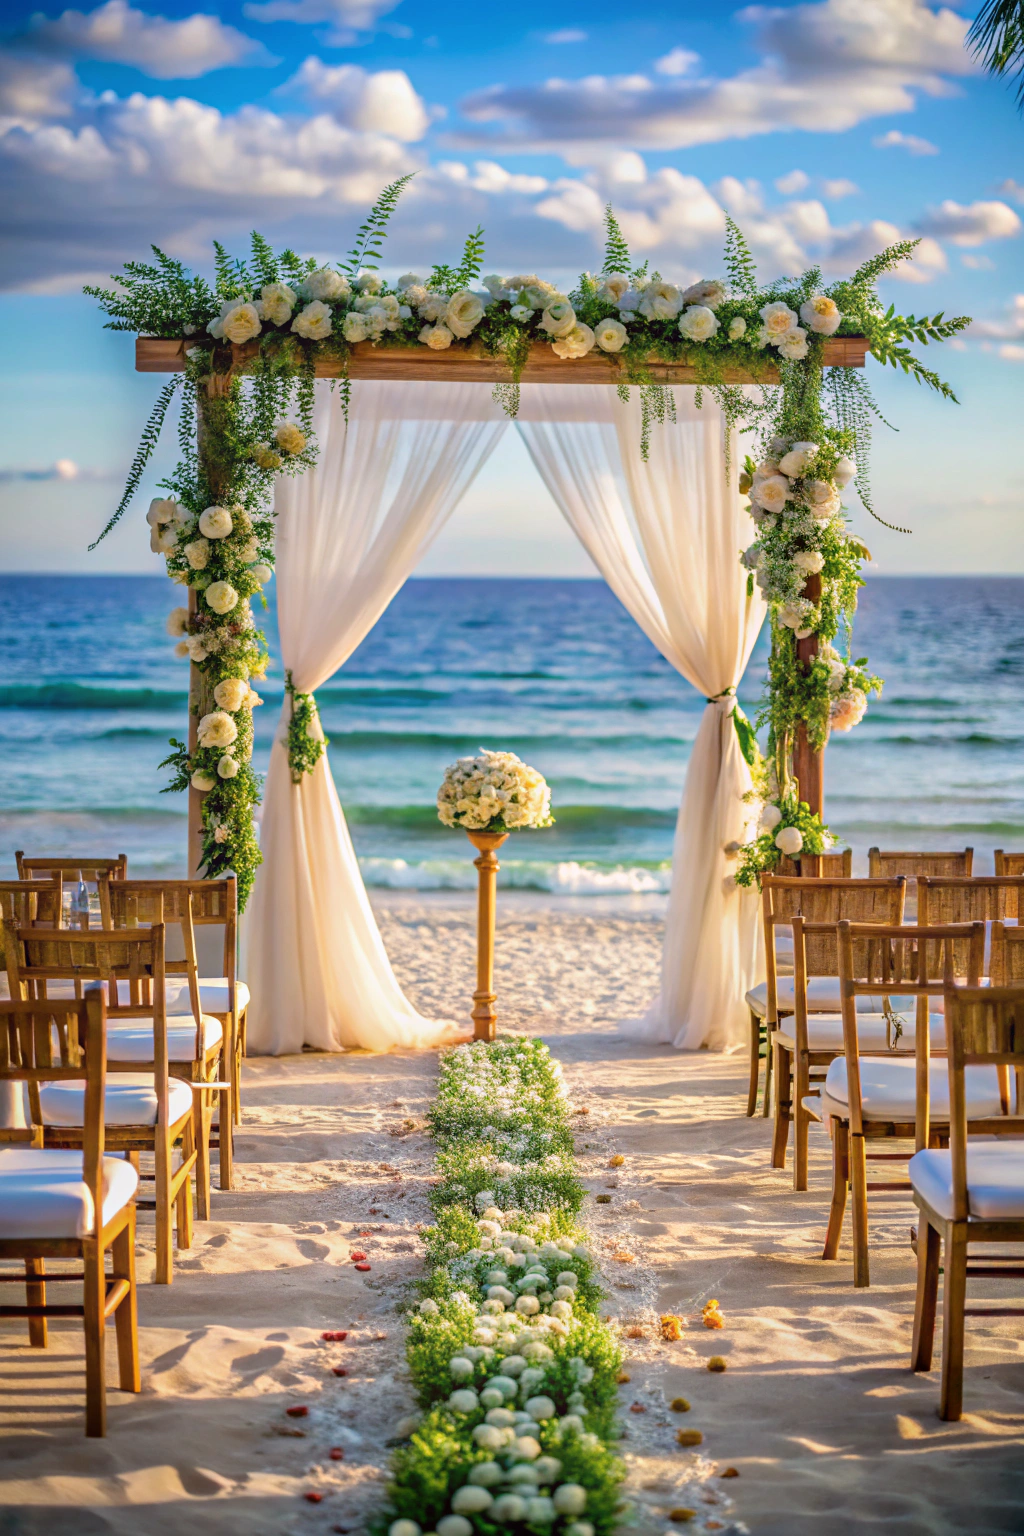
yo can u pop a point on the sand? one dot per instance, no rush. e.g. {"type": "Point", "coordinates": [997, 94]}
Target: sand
{"type": "Point", "coordinates": [817, 1412]}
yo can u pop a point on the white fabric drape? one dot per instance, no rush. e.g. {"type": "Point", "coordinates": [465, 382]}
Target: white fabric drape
{"type": "Point", "coordinates": [666, 536]}
{"type": "Point", "coordinates": [349, 533]}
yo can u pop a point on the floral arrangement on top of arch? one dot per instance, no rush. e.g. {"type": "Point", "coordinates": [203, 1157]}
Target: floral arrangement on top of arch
{"type": "Point", "coordinates": [244, 421]}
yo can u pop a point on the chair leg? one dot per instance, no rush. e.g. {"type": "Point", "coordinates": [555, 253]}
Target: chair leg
{"type": "Point", "coordinates": [184, 1208]}
{"type": "Point", "coordinates": [859, 1192]}
{"type": "Point", "coordinates": [226, 1136]}
{"type": "Point", "coordinates": [929, 1244]}
{"type": "Point", "coordinates": [769, 1059]}
{"type": "Point", "coordinates": [94, 1296]}
{"type": "Point", "coordinates": [801, 1122]}
{"type": "Point", "coordinates": [126, 1318]}
{"type": "Point", "coordinates": [954, 1299]}
{"type": "Point", "coordinates": [840, 1182]}
{"type": "Point", "coordinates": [237, 1052]}
{"type": "Point", "coordinates": [35, 1295]}
{"type": "Point", "coordinates": [164, 1242]}
{"type": "Point", "coordinates": [202, 1120]}
{"type": "Point", "coordinates": [755, 1062]}
{"type": "Point", "coordinates": [783, 1104]}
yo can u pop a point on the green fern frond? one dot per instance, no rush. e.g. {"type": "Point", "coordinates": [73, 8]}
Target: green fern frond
{"type": "Point", "coordinates": [616, 251]}
{"type": "Point", "coordinates": [371, 234]}
{"type": "Point", "coordinates": [740, 266]}
{"type": "Point", "coordinates": [264, 262]}
{"type": "Point", "coordinates": [472, 258]}
{"type": "Point", "coordinates": [144, 452]}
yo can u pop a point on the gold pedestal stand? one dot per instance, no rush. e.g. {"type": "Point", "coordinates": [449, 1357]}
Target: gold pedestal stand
{"type": "Point", "coordinates": [485, 1018]}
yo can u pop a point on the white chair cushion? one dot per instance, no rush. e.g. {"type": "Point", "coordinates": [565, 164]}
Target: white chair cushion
{"type": "Point", "coordinates": [887, 1089]}
{"type": "Point", "coordinates": [213, 995]}
{"type": "Point", "coordinates": [995, 1180]}
{"type": "Point", "coordinates": [130, 1100]}
{"type": "Point", "coordinates": [825, 1031]}
{"type": "Point", "coordinates": [822, 996]}
{"type": "Point", "coordinates": [42, 1193]}
{"type": "Point", "coordinates": [132, 1039]}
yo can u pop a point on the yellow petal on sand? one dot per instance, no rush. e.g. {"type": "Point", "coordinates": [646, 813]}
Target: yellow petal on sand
{"type": "Point", "coordinates": [616, 1161]}
{"type": "Point", "coordinates": [680, 1405]}
{"type": "Point", "coordinates": [690, 1436]}
{"type": "Point", "coordinates": [671, 1327]}
{"type": "Point", "coordinates": [717, 1363]}
{"type": "Point", "coordinates": [680, 1516]}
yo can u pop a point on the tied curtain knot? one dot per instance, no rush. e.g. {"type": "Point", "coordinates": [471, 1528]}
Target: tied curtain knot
{"type": "Point", "coordinates": [745, 733]}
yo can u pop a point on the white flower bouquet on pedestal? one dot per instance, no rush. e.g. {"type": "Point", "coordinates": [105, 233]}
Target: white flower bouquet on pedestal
{"type": "Point", "coordinates": [494, 792]}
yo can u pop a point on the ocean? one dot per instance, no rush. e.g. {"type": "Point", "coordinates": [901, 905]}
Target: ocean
{"type": "Point", "coordinates": [90, 692]}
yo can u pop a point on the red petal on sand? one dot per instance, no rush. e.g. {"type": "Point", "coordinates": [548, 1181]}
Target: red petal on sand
{"type": "Point", "coordinates": [313, 1498]}
{"type": "Point", "coordinates": [339, 1370]}
{"type": "Point", "coordinates": [357, 1255]}
{"type": "Point", "coordinates": [336, 1453]}
{"type": "Point", "coordinates": [297, 1411]}
{"type": "Point", "coordinates": [327, 1336]}
{"type": "Point", "coordinates": [361, 1266]}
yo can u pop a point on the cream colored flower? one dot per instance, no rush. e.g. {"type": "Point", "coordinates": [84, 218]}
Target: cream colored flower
{"type": "Point", "coordinates": [414, 295]}
{"type": "Point", "coordinates": [215, 523]}
{"type": "Point", "coordinates": [227, 767]}
{"type": "Point", "coordinates": [265, 457]}
{"type": "Point", "coordinates": [369, 282]}
{"type": "Point", "coordinates": [828, 506]}
{"type": "Point", "coordinates": [521, 313]}
{"type": "Point", "coordinates": [276, 303]}
{"type": "Point", "coordinates": [698, 323]}
{"type": "Point", "coordinates": [709, 292]}
{"type": "Point", "coordinates": [558, 319]}
{"type": "Point", "coordinates": [249, 551]}
{"type": "Point", "coordinates": [433, 307]}
{"type": "Point", "coordinates": [778, 318]}
{"type": "Point", "coordinates": [231, 694]}
{"type": "Point", "coordinates": [848, 709]}
{"type": "Point", "coordinates": [221, 833]}
{"type": "Point", "coordinates": [315, 322]}
{"type": "Point", "coordinates": [792, 344]}
{"type": "Point", "coordinates": [809, 560]}
{"type": "Point", "coordinates": [577, 343]}
{"type": "Point", "coordinates": [177, 622]}
{"type": "Point", "coordinates": [789, 841]}
{"type": "Point", "coordinates": [354, 327]}
{"type": "Point", "coordinates": [611, 335]}
{"type": "Point", "coordinates": [181, 517]}
{"type": "Point", "coordinates": [737, 328]}
{"type": "Point", "coordinates": [241, 323]}
{"type": "Point", "coordinates": [661, 301]}
{"type": "Point", "coordinates": [613, 286]}
{"type": "Point", "coordinates": [770, 817]}
{"type": "Point", "coordinates": [437, 337]}
{"type": "Point", "coordinates": [799, 459]}
{"type": "Point", "coordinates": [198, 554]}
{"type": "Point", "coordinates": [162, 538]}
{"type": "Point", "coordinates": [217, 729]}
{"type": "Point", "coordinates": [202, 782]}
{"type": "Point", "coordinates": [161, 511]}
{"type": "Point", "coordinates": [821, 314]}
{"type": "Point", "coordinates": [326, 285]}
{"type": "Point", "coordinates": [181, 649]}
{"type": "Point", "coordinates": [818, 492]}
{"type": "Point", "coordinates": [464, 312]}
{"type": "Point", "coordinates": [290, 437]}
{"type": "Point", "coordinates": [537, 294]}
{"type": "Point", "coordinates": [221, 597]}
{"type": "Point", "coordinates": [262, 573]}
{"type": "Point", "coordinates": [771, 493]}
{"type": "Point", "coordinates": [844, 471]}
{"type": "Point", "coordinates": [196, 649]}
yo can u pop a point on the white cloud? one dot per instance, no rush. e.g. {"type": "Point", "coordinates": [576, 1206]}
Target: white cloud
{"type": "Point", "coordinates": [384, 102]}
{"type": "Point", "coordinates": [33, 89]}
{"type": "Point", "coordinates": [566, 35]}
{"type": "Point", "coordinates": [824, 68]}
{"type": "Point", "coordinates": [1011, 353]}
{"type": "Point", "coordinates": [908, 141]}
{"type": "Point", "coordinates": [1011, 188]}
{"type": "Point", "coordinates": [970, 224]}
{"type": "Point", "coordinates": [61, 469]}
{"type": "Point", "coordinates": [167, 50]}
{"type": "Point", "coordinates": [1009, 326]}
{"type": "Point", "coordinates": [978, 263]}
{"type": "Point", "coordinates": [792, 182]}
{"type": "Point", "coordinates": [839, 188]}
{"type": "Point", "coordinates": [678, 61]}
{"type": "Point", "coordinates": [347, 17]}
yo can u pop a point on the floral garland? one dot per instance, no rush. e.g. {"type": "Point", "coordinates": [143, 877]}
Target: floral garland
{"type": "Point", "coordinates": [292, 315]}
{"type": "Point", "coordinates": [516, 1374]}
{"type": "Point", "coordinates": [306, 740]}
{"type": "Point", "coordinates": [494, 792]}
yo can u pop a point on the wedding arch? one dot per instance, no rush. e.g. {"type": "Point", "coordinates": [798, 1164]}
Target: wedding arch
{"type": "Point", "coordinates": [630, 393]}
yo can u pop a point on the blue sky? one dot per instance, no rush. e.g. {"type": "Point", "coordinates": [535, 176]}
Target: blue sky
{"type": "Point", "coordinates": [827, 129]}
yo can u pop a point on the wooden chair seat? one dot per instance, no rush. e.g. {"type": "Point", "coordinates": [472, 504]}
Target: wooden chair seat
{"type": "Point", "coordinates": [995, 1180]}
{"type": "Point", "coordinates": [888, 1090]}
{"type": "Point", "coordinates": [130, 1100]}
{"type": "Point", "coordinates": [132, 1040]}
{"type": "Point", "coordinates": [825, 1032]}
{"type": "Point", "coordinates": [43, 1193]}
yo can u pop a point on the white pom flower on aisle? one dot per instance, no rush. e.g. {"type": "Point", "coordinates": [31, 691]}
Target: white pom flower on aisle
{"type": "Point", "coordinates": [789, 841]}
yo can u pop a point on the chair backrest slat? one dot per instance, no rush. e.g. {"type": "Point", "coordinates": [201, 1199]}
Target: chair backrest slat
{"type": "Point", "coordinates": [914, 864]}
{"type": "Point", "coordinates": [1008, 863]}
{"type": "Point", "coordinates": [984, 1026]}
{"type": "Point", "coordinates": [70, 867]}
{"type": "Point", "coordinates": [1006, 967]}
{"type": "Point", "coordinates": [199, 902]}
{"type": "Point", "coordinates": [32, 901]}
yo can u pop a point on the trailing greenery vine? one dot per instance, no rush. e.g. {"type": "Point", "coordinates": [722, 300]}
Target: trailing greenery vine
{"type": "Point", "coordinates": [306, 740]}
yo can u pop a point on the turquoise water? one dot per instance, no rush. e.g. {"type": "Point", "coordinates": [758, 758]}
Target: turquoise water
{"type": "Point", "coordinates": [90, 691]}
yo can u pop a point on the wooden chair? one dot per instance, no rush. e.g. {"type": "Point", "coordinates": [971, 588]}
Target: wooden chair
{"type": "Point", "coordinates": [147, 1110]}
{"type": "Point", "coordinates": [815, 900]}
{"type": "Point", "coordinates": [837, 864]}
{"type": "Point", "coordinates": [882, 863]}
{"type": "Point", "coordinates": [1008, 863]}
{"type": "Point", "coordinates": [980, 898]}
{"type": "Point", "coordinates": [70, 869]}
{"type": "Point", "coordinates": [198, 1042]}
{"type": "Point", "coordinates": [882, 1086]}
{"type": "Point", "coordinates": [76, 1205]}
{"type": "Point", "coordinates": [971, 1192]}
{"type": "Point", "coordinates": [31, 901]}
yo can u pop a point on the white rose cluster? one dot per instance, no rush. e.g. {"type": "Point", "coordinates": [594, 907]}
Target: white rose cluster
{"type": "Point", "coordinates": [494, 789]}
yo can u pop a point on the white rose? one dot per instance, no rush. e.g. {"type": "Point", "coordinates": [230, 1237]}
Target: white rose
{"type": "Point", "coordinates": [848, 709]}
{"type": "Point", "coordinates": [162, 539]}
{"type": "Point", "coordinates": [778, 318]}
{"type": "Point", "coordinates": [198, 554]}
{"type": "Point", "coordinates": [202, 782]}
{"type": "Point", "coordinates": [354, 327]}
{"type": "Point", "coordinates": [262, 573]}
{"type": "Point", "coordinates": [241, 323]}
{"type": "Point", "coordinates": [215, 523]}
{"type": "Point", "coordinates": [369, 282]}
{"type": "Point", "coordinates": [789, 841]}
{"type": "Point", "coordinates": [611, 335]}
{"type": "Point", "coordinates": [221, 597]}
{"type": "Point", "coordinates": [415, 295]}
{"type": "Point", "coordinates": [177, 622]}
{"type": "Point", "coordinates": [577, 343]}
{"type": "Point", "coordinates": [196, 649]}
{"type": "Point", "coordinates": [290, 437]}
{"type": "Point", "coordinates": [737, 328]}
{"type": "Point", "coordinates": [822, 511]}
{"type": "Point", "coordinates": [314, 322]}
{"type": "Point", "coordinates": [698, 323]}
{"type": "Point", "coordinates": [772, 493]}
{"type": "Point", "coordinates": [464, 312]}
{"type": "Point", "coordinates": [538, 295]}
{"type": "Point", "coordinates": [413, 280]}
{"type": "Point", "coordinates": [821, 314]}
{"type": "Point", "coordinates": [217, 729]}
{"type": "Point", "coordinates": [520, 312]}
{"type": "Point", "coordinates": [613, 286]}
{"type": "Point", "coordinates": [836, 676]}
{"type": "Point", "coordinates": [709, 292]}
{"type": "Point", "coordinates": [227, 768]}
{"type": "Point", "coordinates": [161, 511]}
{"type": "Point", "coordinates": [231, 694]}
{"type": "Point", "coordinates": [661, 301]}
{"type": "Point", "coordinates": [437, 337]}
{"type": "Point", "coordinates": [326, 284]}
{"type": "Point", "coordinates": [770, 817]}
{"type": "Point", "coordinates": [182, 517]}
{"type": "Point", "coordinates": [810, 560]}
{"type": "Point", "coordinates": [844, 471]}
{"type": "Point", "coordinates": [792, 344]}
{"type": "Point", "coordinates": [277, 301]}
{"type": "Point", "coordinates": [558, 318]}
{"type": "Point", "coordinates": [433, 307]}
{"type": "Point", "coordinates": [799, 459]}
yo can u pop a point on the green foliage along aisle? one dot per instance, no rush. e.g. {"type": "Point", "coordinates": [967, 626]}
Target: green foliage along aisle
{"type": "Point", "coordinates": [515, 1372]}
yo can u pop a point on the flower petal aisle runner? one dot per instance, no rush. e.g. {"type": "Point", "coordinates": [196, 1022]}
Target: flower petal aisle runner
{"type": "Point", "coordinates": [516, 1372]}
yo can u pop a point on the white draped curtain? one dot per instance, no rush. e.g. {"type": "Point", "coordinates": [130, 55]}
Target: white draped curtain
{"type": "Point", "coordinates": [349, 533]}
{"type": "Point", "coordinates": [666, 535]}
